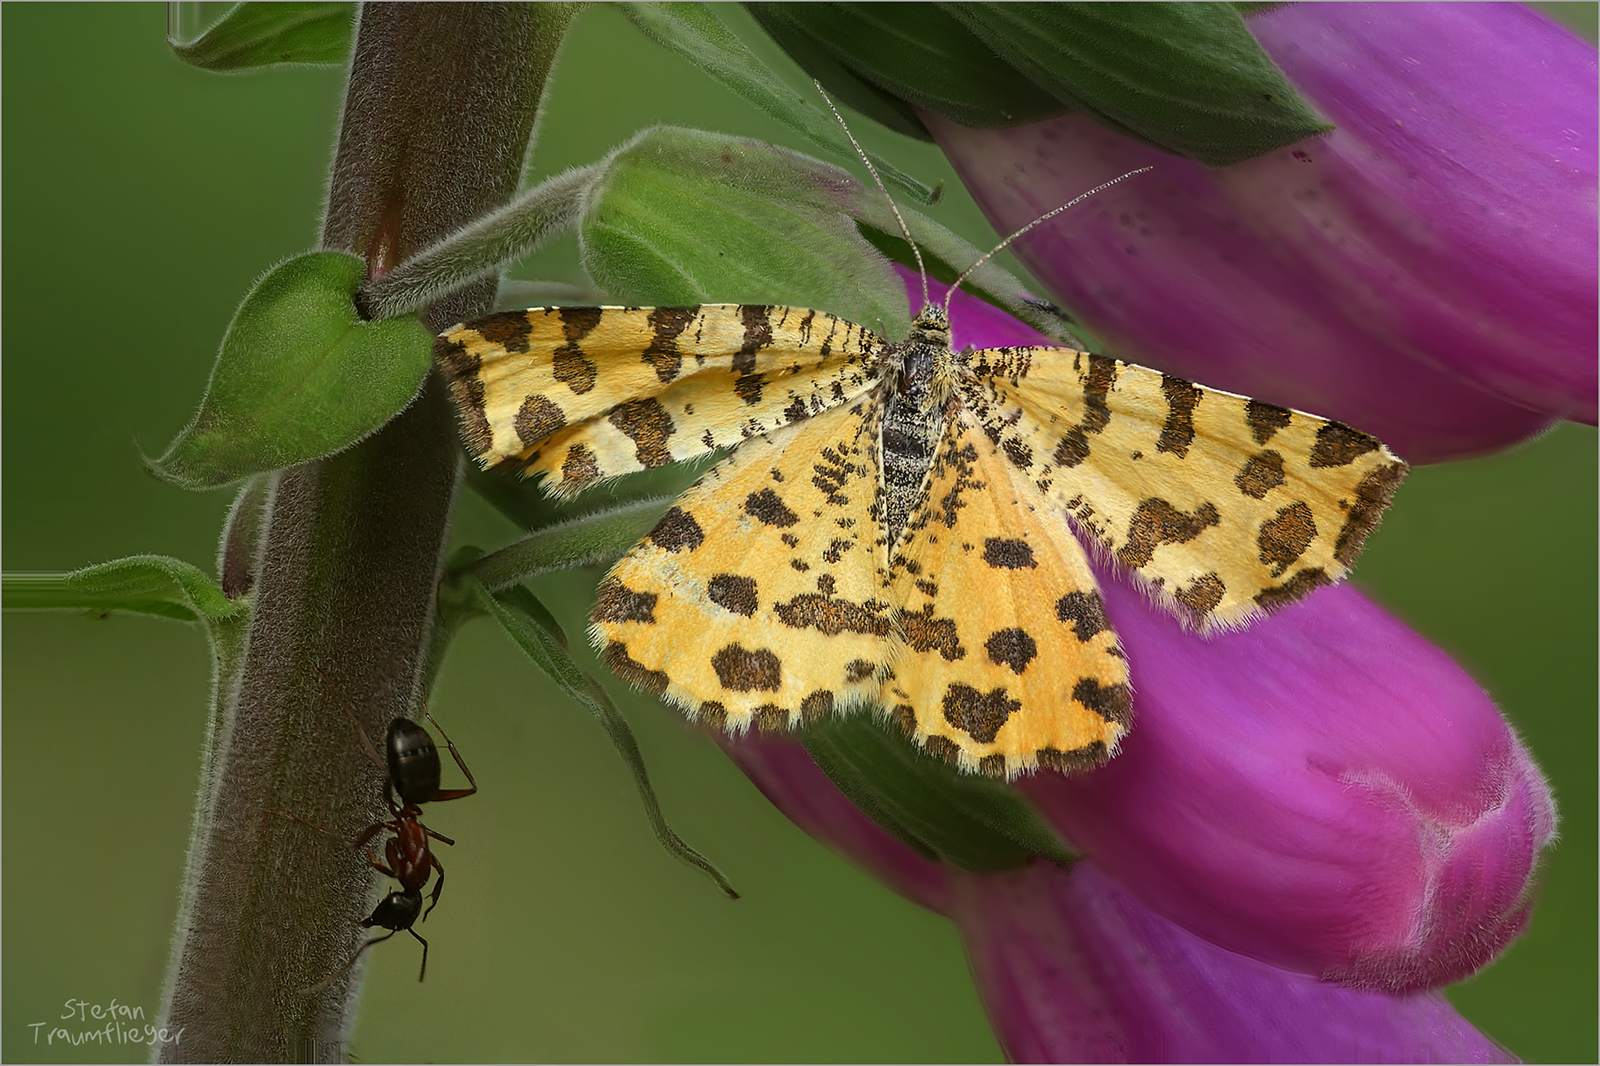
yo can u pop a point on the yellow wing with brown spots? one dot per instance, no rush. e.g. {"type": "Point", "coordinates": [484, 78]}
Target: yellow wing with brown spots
{"type": "Point", "coordinates": [581, 394]}
{"type": "Point", "coordinates": [1223, 505]}
{"type": "Point", "coordinates": [759, 597]}
{"type": "Point", "coordinates": [1004, 659]}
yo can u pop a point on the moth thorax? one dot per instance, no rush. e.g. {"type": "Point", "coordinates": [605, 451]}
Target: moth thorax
{"type": "Point", "coordinates": [913, 423]}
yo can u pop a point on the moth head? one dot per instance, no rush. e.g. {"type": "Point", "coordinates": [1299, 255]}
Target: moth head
{"type": "Point", "coordinates": [931, 327]}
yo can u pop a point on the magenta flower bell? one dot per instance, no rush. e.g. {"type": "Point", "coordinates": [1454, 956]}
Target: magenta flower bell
{"type": "Point", "coordinates": [1073, 968]}
{"type": "Point", "coordinates": [1426, 272]}
{"type": "Point", "coordinates": [1323, 795]}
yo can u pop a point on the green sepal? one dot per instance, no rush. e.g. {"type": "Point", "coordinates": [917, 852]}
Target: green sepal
{"type": "Point", "coordinates": [300, 376]}
{"type": "Point", "coordinates": [275, 34]}
{"type": "Point", "coordinates": [597, 537]}
{"type": "Point", "coordinates": [906, 56]}
{"type": "Point", "coordinates": [533, 629]}
{"type": "Point", "coordinates": [976, 823]}
{"type": "Point", "coordinates": [1188, 78]}
{"type": "Point", "coordinates": [817, 59]}
{"type": "Point", "coordinates": [140, 584]}
{"type": "Point", "coordinates": [694, 31]}
{"type": "Point", "coordinates": [684, 217]}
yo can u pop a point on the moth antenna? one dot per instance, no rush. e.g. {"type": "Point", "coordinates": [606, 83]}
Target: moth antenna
{"type": "Point", "coordinates": [922, 271]}
{"type": "Point", "coordinates": [1047, 216]}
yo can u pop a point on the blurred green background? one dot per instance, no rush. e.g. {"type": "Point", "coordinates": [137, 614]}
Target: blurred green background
{"type": "Point", "coordinates": [566, 934]}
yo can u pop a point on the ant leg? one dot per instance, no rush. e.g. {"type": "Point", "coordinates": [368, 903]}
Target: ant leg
{"type": "Point", "coordinates": [371, 831]}
{"type": "Point", "coordinates": [438, 886]}
{"type": "Point", "coordinates": [452, 793]}
{"type": "Point", "coordinates": [424, 971]}
{"type": "Point", "coordinates": [351, 961]}
{"type": "Point", "coordinates": [308, 825]}
{"type": "Point", "coordinates": [440, 837]}
{"type": "Point", "coordinates": [344, 701]}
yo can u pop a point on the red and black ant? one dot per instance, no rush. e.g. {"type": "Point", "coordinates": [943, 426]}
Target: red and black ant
{"type": "Point", "coordinates": [413, 770]}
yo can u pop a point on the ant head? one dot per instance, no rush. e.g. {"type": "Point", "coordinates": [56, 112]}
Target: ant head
{"type": "Point", "coordinates": [396, 911]}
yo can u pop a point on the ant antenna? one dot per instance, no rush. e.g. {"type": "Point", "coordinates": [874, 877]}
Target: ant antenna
{"type": "Point", "coordinates": [922, 271]}
{"type": "Point", "coordinates": [1047, 216]}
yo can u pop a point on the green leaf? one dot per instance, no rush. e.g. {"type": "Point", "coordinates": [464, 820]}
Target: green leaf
{"type": "Point", "coordinates": [975, 822]}
{"type": "Point", "coordinates": [536, 633]}
{"type": "Point", "coordinates": [300, 376]}
{"type": "Point", "coordinates": [909, 54]}
{"type": "Point", "coordinates": [481, 247]}
{"type": "Point", "coordinates": [694, 32]}
{"type": "Point", "coordinates": [599, 537]}
{"type": "Point", "coordinates": [1188, 78]}
{"type": "Point", "coordinates": [816, 59]}
{"type": "Point", "coordinates": [685, 217]}
{"type": "Point", "coordinates": [141, 584]}
{"type": "Point", "coordinates": [265, 35]}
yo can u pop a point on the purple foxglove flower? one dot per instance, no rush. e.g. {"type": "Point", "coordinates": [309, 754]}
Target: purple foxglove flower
{"type": "Point", "coordinates": [1426, 272]}
{"type": "Point", "coordinates": [1323, 795]}
{"type": "Point", "coordinates": [1073, 968]}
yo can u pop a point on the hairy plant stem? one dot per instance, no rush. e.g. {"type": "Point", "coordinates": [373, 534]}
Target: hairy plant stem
{"type": "Point", "coordinates": [440, 108]}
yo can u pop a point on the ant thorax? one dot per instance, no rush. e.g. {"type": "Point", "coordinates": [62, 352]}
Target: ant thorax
{"type": "Point", "coordinates": [917, 387]}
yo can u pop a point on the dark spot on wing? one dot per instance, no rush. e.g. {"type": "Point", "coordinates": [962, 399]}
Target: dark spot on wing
{"type": "Point", "coordinates": [1011, 647]}
{"type": "Point", "coordinates": [1285, 536]}
{"type": "Point", "coordinates": [736, 593]}
{"type": "Point", "coordinates": [1302, 584]}
{"type": "Point", "coordinates": [573, 369]}
{"type": "Point", "coordinates": [857, 670]}
{"type": "Point", "coordinates": [677, 531]}
{"type": "Point", "coordinates": [648, 425]}
{"type": "Point", "coordinates": [615, 602]}
{"type": "Point", "coordinates": [468, 390]}
{"type": "Point", "coordinates": [979, 716]}
{"type": "Point", "coordinates": [1110, 702]}
{"type": "Point", "coordinates": [768, 507]}
{"type": "Point", "coordinates": [816, 705]}
{"type": "Point", "coordinates": [662, 352]}
{"type": "Point", "coordinates": [1157, 522]}
{"type": "Point", "coordinates": [537, 418]}
{"type": "Point", "coordinates": [1074, 445]}
{"type": "Point", "coordinates": [1372, 498]}
{"type": "Point", "coordinates": [1339, 445]}
{"type": "Point", "coordinates": [579, 466]}
{"type": "Point", "coordinates": [509, 329]}
{"type": "Point", "coordinates": [1087, 757]}
{"type": "Point", "coordinates": [748, 388]}
{"type": "Point", "coordinates": [1178, 431]}
{"type": "Point", "coordinates": [1261, 474]}
{"type": "Point", "coordinates": [1019, 453]}
{"type": "Point", "coordinates": [1085, 612]}
{"type": "Point", "coordinates": [826, 614]}
{"type": "Point", "coordinates": [742, 670]}
{"type": "Point", "coordinates": [1203, 594]}
{"type": "Point", "coordinates": [926, 633]}
{"type": "Point", "coordinates": [619, 662]}
{"type": "Point", "coordinates": [1265, 419]}
{"type": "Point", "coordinates": [939, 747]}
{"type": "Point", "coordinates": [757, 319]}
{"type": "Point", "coordinates": [1007, 554]}
{"type": "Point", "coordinates": [712, 714]}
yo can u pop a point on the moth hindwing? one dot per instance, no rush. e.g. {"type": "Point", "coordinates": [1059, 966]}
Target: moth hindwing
{"type": "Point", "coordinates": [891, 528]}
